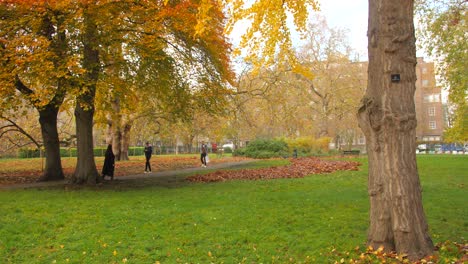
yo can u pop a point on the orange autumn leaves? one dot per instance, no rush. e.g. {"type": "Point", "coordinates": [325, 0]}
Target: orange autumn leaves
{"type": "Point", "coordinates": [299, 168]}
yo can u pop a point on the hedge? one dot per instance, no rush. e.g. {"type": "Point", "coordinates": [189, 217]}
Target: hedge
{"type": "Point", "coordinates": [72, 152]}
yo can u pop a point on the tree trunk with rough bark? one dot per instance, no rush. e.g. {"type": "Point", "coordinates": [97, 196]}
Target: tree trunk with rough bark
{"type": "Point", "coordinates": [125, 141]}
{"type": "Point", "coordinates": [86, 171]}
{"type": "Point", "coordinates": [53, 165]}
{"type": "Point", "coordinates": [388, 119]}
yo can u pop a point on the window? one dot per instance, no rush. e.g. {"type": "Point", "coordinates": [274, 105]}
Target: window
{"type": "Point", "coordinates": [432, 125]}
{"type": "Point", "coordinates": [425, 83]}
{"type": "Point", "coordinates": [431, 111]}
{"type": "Point", "coordinates": [362, 140]}
{"type": "Point", "coordinates": [431, 98]}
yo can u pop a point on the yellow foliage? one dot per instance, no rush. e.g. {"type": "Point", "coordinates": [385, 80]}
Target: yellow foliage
{"type": "Point", "coordinates": [268, 39]}
{"type": "Point", "coordinates": [309, 143]}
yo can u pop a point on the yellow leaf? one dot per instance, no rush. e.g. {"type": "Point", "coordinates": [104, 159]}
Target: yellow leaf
{"type": "Point", "coordinates": [114, 253]}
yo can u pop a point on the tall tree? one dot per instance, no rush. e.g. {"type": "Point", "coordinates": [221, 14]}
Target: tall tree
{"type": "Point", "coordinates": [34, 63]}
{"type": "Point", "coordinates": [85, 171]}
{"type": "Point", "coordinates": [388, 119]}
{"type": "Point", "coordinates": [338, 82]}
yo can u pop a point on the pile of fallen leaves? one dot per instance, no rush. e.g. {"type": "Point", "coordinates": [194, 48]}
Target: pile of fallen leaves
{"type": "Point", "coordinates": [298, 168]}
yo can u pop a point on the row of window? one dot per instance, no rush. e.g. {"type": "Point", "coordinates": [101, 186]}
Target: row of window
{"type": "Point", "coordinates": [432, 98]}
{"type": "Point", "coordinates": [435, 138]}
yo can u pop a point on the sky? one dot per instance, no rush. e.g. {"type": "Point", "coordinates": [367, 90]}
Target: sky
{"type": "Point", "coordinates": [351, 15]}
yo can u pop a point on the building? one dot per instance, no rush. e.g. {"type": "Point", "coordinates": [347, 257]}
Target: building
{"type": "Point", "coordinates": [430, 111]}
{"type": "Point", "coordinates": [428, 103]}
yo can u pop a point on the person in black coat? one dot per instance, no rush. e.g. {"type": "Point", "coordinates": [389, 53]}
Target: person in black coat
{"type": "Point", "coordinates": [109, 163]}
{"type": "Point", "coordinates": [148, 152]}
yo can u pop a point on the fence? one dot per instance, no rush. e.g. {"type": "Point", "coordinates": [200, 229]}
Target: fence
{"type": "Point", "coordinates": [24, 153]}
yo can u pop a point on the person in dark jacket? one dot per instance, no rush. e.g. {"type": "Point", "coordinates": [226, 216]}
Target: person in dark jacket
{"type": "Point", "coordinates": [204, 150]}
{"type": "Point", "coordinates": [109, 163]}
{"type": "Point", "coordinates": [148, 153]}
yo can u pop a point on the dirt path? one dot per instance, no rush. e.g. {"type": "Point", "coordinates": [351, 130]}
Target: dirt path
{"type": "Point", "coordinates": [163, 176]}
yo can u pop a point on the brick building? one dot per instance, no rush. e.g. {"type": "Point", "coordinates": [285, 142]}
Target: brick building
{"type": "Point", "coordinates": [428, 103]}
{"type": "Point", "coordinates": [429, 106]}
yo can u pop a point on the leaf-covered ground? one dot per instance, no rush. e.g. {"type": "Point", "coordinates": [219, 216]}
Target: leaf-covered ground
{"type": "Point", "coordinates": [17, 171]}
{"type": "Point", "coordinates": [297, 169]}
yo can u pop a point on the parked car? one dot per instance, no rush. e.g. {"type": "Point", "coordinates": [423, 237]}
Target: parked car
{"type": "Point", "coordinates": [229, 145]}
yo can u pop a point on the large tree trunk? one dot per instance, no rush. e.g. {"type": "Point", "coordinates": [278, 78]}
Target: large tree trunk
{"type": "Point", "coordinates": [119, 136]}
{"type": "Point", "coordinates": [84, 111]}
{"type": "Point", "coordinates": [125, 140]}
{"type": "Point", "coordinates": [388, 119]}
{"type": "Point", "coordinates": [116, 141]}
{"type": "Point", "coordinates": [53, 165]}
{"type": "Point", "coordinates": [85, 171]}
{"type": "Point", "coordinates": [116, 117]}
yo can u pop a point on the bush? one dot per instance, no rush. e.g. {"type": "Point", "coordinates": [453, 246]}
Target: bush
{"type": "Point", "coordinates": [309, 146]}
{"type": "Point", "coordinates": [265, 148]}
{"type": "Point", "coordinates": [137, 151]}
{"type": "Point", "coordinates": [227, 150]}
{"type": "Point", "coordinates": [29, 153]}
{"type": "Point", "coordinates": [68, 152]}
{"type": "Point", "coordinates": [239, 152]}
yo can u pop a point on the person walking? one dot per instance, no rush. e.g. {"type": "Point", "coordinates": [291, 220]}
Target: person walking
{"type": "Point", "coordinates": [148, 153]}
{"type": "Point", "coordinates": [203, 154]}
{"type": "Point", "coordinates": [109, 163]}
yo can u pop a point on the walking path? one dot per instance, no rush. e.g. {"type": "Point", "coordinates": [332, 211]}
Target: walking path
{"type": "Point", "coordinates": [154, 175]}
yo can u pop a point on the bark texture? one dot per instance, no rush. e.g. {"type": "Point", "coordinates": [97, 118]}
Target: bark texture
{"type": "Point", "coordinates": [86, 171]}
{"type": "Point", "coordinates": [53, 165]}
{"type": "Point", "coordinates": [388, 119]}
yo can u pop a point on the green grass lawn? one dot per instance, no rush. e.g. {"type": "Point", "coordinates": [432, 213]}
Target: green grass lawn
{"type": "Point", "coordinates": [275, 221]}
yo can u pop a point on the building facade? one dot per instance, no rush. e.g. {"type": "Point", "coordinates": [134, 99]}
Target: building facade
{"type": "Point", "coordinates": [430, 110]}
{"type": "Point", "coordinates": [428, 103]}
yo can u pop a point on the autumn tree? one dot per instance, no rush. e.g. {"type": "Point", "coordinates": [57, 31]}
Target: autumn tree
{"type": "Point", "coordinates": [269, 104]}
{"type": "Point", "coordinates": [35, 64]}
{"type": "Point", "coordinates": [443, 34]}
{"type": "Point", "coordinates": [338, 82]}
{"type": "Point", "coordinates": [388, 119]}
{"type": "Point", "coordinates": [173, 63]}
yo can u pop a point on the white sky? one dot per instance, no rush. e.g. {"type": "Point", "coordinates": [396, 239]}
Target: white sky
{"type": "Point", "coordinates": [351, 15]}
{"type": "Point", "coordinates": [345, 14]}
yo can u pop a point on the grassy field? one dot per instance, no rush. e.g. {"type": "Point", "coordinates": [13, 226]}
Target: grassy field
{"type": "Point", "coordinates": [275, 221]}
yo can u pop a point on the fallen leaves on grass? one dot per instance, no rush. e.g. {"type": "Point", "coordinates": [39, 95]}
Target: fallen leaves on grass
{"type": "Point", "coordinates": [298, 168]}
{"type": "Point", "coordinates": [446, 252]}
{"type": "Point", "coordinates": [22, 171]}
